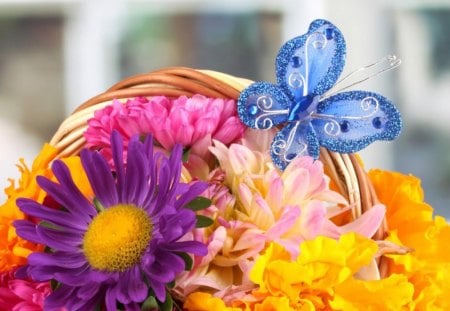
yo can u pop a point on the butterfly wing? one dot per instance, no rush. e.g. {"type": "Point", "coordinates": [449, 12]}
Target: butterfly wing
{"type": "Point", "coordinates": [350, 121]}
{"type": "Point", "coordinates": [311, 63]}
{"type": "Point", "coordinates": [263, 105]}
{"type": "Point", "coordinates": [294, 140]}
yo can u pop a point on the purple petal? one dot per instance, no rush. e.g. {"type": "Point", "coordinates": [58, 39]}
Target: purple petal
{"type": "Point", "coordinates": [78, 200]}
{"type": "Point", "coordinates": [100, 276]}
{"type": "Point", "coordinates": [100, 177]}
{"type": "Point", "coordinates": [132, 307]}
{"type": "Point", "coordinates": [59, 218]}
{"type": "Point", "coordinates": [194, 191]}
{"type": "Point", "coordinates": [159, 289]}
{"type": "Point", "coordinates": [132, 287]}
{"type": "Point", "coordinates": [110, 299]}
{"type": "Point", "coordinates": [59, 240]}
{"type": "Point", "coordinates": [58, 298]}
{"type": "Point", "coordinates": [88, 291]}
{"type": "Point", "coordinates": [166, 267]}
{"type": "Point", "coordinates": [193, 247]}
{"type": "Point", "coordinates": [89, 303]}
{"type": "Point", "coordinates": [27, 230]}
{"type": "Point", "coordinates": [174, 226]}
{"type": "Point", "coordinates": [117, 153]}
{"type": "Point", "coordinates": [22, 272]}
{"type": "Point", "coordinates": [137, 288]}
{"type": "Point", "coordinates": [59, 259]}
{"type": "Point", "coordinates": [44, 273]}
{"type": "Point", "coordinates": [175, 161]}
{"type": "Point", "coordinates": [136, 186]}
{"type": "Point", "coordinates": [75, 277]}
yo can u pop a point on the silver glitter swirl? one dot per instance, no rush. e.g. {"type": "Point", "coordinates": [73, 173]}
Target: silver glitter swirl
{"type": "Point", "coordinates": [332, 128]}
{"type": "Point", "coordinates": [318, 41]}
{"type": "Point", "coordinates": [370, 103]}
{"type": "Point", "coordinates": [281, 147]}
{"type": "Point", "coordinates": [264, 102]}
{"type": "Point", "coordinates": [296, 80]}
{"type": "Point", "coordinates": [265, 105]}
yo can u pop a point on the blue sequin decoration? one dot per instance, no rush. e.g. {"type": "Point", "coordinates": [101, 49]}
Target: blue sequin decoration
{"type": "Point", "coordinates": [377, 122]}
{"type": "Point", "coordinates": [306, 67]}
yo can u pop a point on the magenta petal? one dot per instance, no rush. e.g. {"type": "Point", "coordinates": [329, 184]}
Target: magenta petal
{"type": "Point", "coordinates": [230, 131]}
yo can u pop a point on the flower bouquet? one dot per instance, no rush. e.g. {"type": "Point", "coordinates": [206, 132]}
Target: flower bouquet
{"type": "Point", "coordinates": [197, 190]}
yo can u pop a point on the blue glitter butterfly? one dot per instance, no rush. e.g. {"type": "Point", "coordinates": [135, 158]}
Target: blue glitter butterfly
{"type": "Point", "coordinates": [306, 67]}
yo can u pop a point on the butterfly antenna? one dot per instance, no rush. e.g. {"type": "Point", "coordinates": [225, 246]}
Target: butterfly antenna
{"type": "Point", "coordinates": [386, 63]}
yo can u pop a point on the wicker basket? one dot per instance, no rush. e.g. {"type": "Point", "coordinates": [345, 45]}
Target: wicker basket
{"type": "Point", "coordinates": [345, 170]}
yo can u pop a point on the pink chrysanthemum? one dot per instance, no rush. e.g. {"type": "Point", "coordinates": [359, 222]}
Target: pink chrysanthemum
{"type": "Point", "coordinates": [191, 122]}
{"type": "Point", "coordinates": [16, 294]}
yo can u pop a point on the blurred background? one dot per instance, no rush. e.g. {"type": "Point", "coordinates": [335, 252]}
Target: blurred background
{"type": "Point", "coordinates": [56, 54]}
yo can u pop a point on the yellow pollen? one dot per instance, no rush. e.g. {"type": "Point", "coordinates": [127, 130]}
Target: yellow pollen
{"type": "Point", "coordinates": [117, 237]}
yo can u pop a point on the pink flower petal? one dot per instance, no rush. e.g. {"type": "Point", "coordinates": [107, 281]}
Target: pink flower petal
{"type": "Point", "coordinates": [366, 225]}
{"type": "Point", "coordinates": [285, 223]}
{"type": "Point", "coordinates": [313, 218]}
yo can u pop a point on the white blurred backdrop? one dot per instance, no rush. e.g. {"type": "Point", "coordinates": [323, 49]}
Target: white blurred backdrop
{"type": "Point", "coordinates": [56, 54]}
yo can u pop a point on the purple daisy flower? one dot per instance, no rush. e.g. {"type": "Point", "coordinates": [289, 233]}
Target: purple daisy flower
{"type": "Point", "coordinates": [124, 246]}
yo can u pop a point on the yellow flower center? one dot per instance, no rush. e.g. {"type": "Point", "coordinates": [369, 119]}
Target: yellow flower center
{"type": "Point", "coordinates": [117, 237]}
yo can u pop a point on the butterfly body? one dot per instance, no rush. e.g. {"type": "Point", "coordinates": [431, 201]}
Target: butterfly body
{"type": "Point", "coordinates": [306, 67]}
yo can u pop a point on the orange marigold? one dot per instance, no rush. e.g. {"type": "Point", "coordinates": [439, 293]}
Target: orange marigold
{"type": "Point", "coordinates": [13, 249]}
{"type": "Point", "coordinates": [411, 223]}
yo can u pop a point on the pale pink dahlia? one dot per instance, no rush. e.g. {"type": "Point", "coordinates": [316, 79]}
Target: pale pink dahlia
{"type": "Point", "coordinates": [191, 122]}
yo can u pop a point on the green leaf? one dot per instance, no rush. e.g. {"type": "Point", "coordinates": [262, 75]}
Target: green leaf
{"type": "Point", "coordinates": [167, 305]}
{"type": "Point", "coordinates": [98, 206]}
{"type": "Point", "coordinates": [171, 284]}
{"type": "Point", "coordinates": [54, 285]}
{"type": "Point", "coordinates": [186, 154]}
{"type": "Point", "coordinates": [49, 225]}
{"type": "Point", "coordinates": [199, 203]}
{"type": "Point", "coordinates": [150, 303]}
{"type": "Point", "coordinates": [142, 137]}
{"type": "Point", "coordinates": [203, 221]}
{"type": "Point", "coordinates": [98, 307]}
{"type": "Point", "coordinates": [188, 262]}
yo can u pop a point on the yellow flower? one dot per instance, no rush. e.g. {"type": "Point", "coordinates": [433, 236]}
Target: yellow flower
{"type": "Point", "coordinates": [13, 249]}
{"type": "Point", "coordinates": [199, 301]}
{"type": "Point", "coordinates": [322, 275]}
{"type": "Point", "coordinates": [411, 223]}
{"type": "Point", "coordinates": [392, 293]}
{"type": "Point", "coordinates": [277, 304]}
